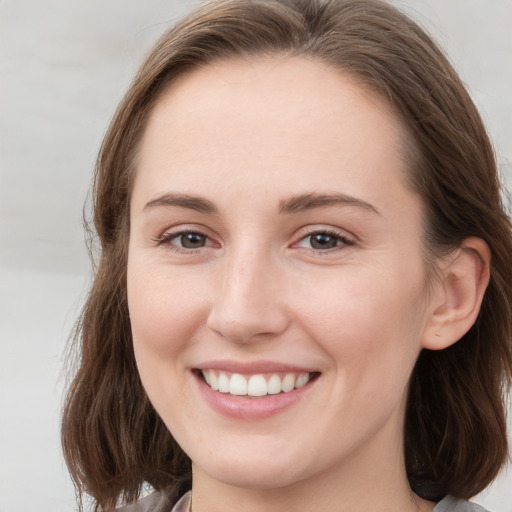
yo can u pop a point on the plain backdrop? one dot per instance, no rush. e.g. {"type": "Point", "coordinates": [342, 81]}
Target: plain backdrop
{"type": "Point", "coordinates": [64, 65]}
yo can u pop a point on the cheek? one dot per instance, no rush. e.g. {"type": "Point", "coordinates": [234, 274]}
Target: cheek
{"type": "Point", "coordinates": [164, 309]}
{"type": "Point", "coordinates": [165, 312]}
{"type": "Point", "coordinates": [370, 324]}
{"type": "Point", "coordinates": [365, 303]}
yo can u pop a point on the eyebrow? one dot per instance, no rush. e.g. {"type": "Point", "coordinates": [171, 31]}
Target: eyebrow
{"type": "Point", "coordinates": [310, 201]}
{"type": "Point", "coordinates": [198, 204]}
{"type": "Point", "coordinates": [294, 204]}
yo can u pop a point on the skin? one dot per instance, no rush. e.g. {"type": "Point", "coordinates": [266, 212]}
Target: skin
{"type": "Point", "coordinates": [248, 137]}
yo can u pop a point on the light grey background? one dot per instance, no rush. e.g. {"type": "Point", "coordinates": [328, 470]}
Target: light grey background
{"type": "Point", "coordinates": [64, 65]}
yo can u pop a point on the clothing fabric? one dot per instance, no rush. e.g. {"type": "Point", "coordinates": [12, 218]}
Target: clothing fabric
{"type": "Point", "coordinates": [451, 504]}
{"type": "Point", "coordinates": [158, 502]}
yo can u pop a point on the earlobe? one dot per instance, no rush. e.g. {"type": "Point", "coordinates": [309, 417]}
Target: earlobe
{"type": "Point", "coordinates": [459, 293]}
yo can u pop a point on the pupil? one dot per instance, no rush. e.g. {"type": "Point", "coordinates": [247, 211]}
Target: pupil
{"type": "Point", "coordinates": [323, 241]}
{"type": "Point", "coordinates": [192, 240]}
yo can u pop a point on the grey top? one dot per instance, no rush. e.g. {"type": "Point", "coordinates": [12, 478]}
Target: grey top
{"type": "Point", "coordinates": [451, 504]}
{"type": "Point", "coordinates": [158, 502]}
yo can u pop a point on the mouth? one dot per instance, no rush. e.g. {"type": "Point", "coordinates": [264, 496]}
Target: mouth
{"type": "Point", "coordinates": [257, 385]}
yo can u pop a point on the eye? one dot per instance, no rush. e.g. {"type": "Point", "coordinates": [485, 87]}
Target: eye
{"type": "Point", "coordinates": [324, 241]}
{"type": "Point", "coordinates": [185, 240]}
{"type": "Point", "coordinates": [189, 240]}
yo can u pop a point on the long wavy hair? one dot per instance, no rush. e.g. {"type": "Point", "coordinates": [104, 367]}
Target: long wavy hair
{"type": "Point", "coordinates": [455, 430]}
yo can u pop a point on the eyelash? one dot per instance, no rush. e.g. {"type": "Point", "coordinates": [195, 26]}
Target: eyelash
{"type": "Point", "coordinates": [167, 238]}
{"type": "Point", "coordinates": [341, 240]}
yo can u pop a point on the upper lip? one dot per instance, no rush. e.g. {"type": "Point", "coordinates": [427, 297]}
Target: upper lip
{"type": "Point", "coordinates": [252, 367]}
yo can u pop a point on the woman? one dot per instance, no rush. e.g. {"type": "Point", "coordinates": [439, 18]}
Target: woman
{"type": "Point", "coordinates": [303, 297]}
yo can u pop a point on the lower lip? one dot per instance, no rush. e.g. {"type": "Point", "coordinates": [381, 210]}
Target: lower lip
{"type": "Point", "coordinates": [245, 408]}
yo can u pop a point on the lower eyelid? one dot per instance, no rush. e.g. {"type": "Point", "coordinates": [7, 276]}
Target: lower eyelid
{"type": "Point", "coordinates": [166, 241]}
{"type": "Point", "coordinates": [341, 239]}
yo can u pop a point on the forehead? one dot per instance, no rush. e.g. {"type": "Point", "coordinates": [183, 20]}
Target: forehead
{"type": "Point", "coordinates": [285, 117]}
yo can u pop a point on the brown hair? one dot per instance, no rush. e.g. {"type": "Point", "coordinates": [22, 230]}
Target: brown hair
{"type": "Point", "coordinates": [455, 430]}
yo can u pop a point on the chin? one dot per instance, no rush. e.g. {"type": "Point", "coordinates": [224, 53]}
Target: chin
{"type": "Point", "coordinates": [252, 477]}
{"type": "Point", "coordinates": [251, 472]}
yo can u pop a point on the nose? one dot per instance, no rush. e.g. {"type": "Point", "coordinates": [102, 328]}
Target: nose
{"type": "Point", "coordinates": [249, 304]}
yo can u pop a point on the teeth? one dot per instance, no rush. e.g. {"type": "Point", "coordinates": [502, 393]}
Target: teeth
{"type": "Point", "coordinates": [238, 385]}
{"type": "Point", "coordinates": [214, 381]}
{"type": "Point", "coordinates": [255, 385]}
{"type": "Point", "coordinates": [302, 380]}
{"type": "Point", "coordinates": [274, 385]}
{"type": "Point", "coordinates": [223, 383]}
{"type": "Point", "coordinates": [288, 383]}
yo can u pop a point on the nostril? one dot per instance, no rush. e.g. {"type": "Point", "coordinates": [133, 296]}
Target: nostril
{"type": "Point", "coordinates": [244, 324]}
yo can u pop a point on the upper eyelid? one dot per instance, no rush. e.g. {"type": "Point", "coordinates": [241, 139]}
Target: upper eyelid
{"type": "Point", "coordinates": [344, 242]}
{"type": "Point", "coordinates": [185, 228]}
{"type": "Point", "coordinates": [168, 234]}
{"type": "Point", "coordinates": [311, 230]}
{"type": "Point", "coordinates": [300, 234]}
{"type": "Point", "coordinates": [165, 241]}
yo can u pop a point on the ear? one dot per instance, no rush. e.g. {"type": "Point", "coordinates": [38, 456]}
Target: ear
{"type": "Point", "coordinates": [456, 300]}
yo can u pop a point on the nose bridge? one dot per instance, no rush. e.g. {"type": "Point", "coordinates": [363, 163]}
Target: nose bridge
{"type": "Point", "coordinates": [247, 302]}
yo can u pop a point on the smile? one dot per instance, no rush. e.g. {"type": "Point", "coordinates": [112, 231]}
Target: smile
{"type": "Point", "coordinates": [258, 385]}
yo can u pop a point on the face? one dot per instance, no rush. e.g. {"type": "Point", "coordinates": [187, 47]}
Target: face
{"type": "Point", "coordinates": [275, 253]}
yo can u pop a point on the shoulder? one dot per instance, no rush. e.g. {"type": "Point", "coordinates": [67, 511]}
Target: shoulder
{"type": "Point", "coordinates": [451, 504]}
{"type": "Point", "coordinates": [154, 502]}
{"type": "Point", "coordinates": [158, 502]}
